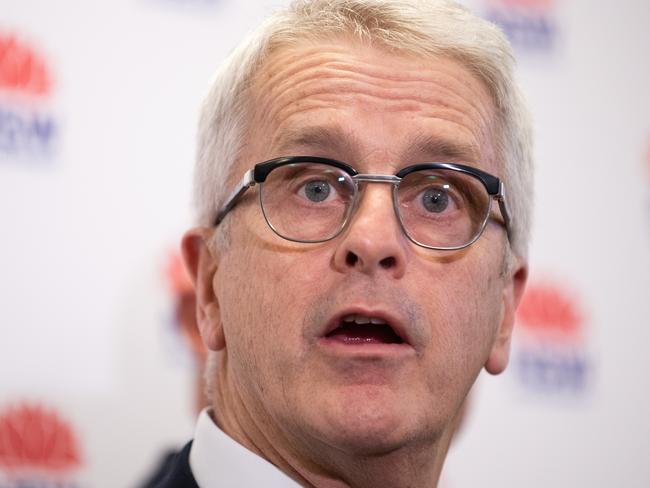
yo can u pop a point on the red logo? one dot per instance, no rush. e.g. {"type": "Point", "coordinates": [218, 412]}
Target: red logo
{"type": "Point", "coordinates": [548, 310]}
{"type": "Point", "coordinates": [32, 437]}
{"type": "Point", "coordinates": [550, 351]}
{"type": "Point", "coordinates": [22, 69]}
{"type": "Point", "coordinates": [28, 129]}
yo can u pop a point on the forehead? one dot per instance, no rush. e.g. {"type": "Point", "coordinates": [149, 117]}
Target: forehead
{"type": "Point", "coordinates": [360, 103]}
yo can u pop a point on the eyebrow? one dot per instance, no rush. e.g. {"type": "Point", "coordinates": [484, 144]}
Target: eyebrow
{"type": "Point", "coordinates": [323, 138]}
{"type": "Point", "coordinates": [441, 150]}
{"type": "Point", "coordinates": [333, 139]}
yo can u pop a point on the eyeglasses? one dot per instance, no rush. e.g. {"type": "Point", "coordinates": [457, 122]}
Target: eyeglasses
{"type": "Point", "coordinates": [443, 206]}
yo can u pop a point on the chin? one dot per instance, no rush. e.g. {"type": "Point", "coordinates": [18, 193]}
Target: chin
{"type": "Point", "coordinates": [368, 422]}
{"type": "Point", "coordinates": [368, 442]}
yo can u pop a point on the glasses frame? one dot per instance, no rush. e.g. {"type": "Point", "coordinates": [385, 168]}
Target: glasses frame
{"type": "Point", "coordinates": [258, 174]}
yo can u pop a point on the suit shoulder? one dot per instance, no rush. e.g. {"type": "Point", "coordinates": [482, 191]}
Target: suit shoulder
{"type": "Point", "coordinates": [177, 473]}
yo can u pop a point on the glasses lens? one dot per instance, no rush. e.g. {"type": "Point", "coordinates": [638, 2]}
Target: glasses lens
{"type": "Point", "coordinates": [307, 202]}
{"type": "Point", "coordinates": [442, 208]}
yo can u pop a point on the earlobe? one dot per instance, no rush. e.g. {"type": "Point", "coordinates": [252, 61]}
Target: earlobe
{"type": "Point", "coordinates": [514, 285]}
{"type": "Point", "coordinates": [202, 264]}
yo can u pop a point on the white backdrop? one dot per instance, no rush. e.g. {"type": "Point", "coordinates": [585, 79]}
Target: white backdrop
{"type": "Point", "coordinates": [98, 108]}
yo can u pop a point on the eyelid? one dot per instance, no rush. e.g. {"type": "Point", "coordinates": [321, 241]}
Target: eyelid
{"type": "Point", "coordinates": [464, 189]}
{"type": "Point", "coordinates": [423, 186]}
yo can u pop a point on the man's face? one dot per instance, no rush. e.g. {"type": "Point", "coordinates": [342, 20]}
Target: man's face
{"type": "Point", "coordinates": [278, 305]}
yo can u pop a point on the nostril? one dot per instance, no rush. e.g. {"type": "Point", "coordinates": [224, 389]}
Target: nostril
{"type": "Point", "coordinates": [387, 263]}
{"type": "Point", "coordinates": [351, 259]}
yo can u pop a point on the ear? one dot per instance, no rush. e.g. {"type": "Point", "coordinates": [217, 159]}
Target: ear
{"type": "Point", "coordinates": [513, 289]}
{"type": "Point", "coordinates": [202, 263]}
{"type": "Point", "coordinates": [186, 313]}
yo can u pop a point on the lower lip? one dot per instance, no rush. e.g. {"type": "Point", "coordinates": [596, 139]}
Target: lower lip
{"type": "Point", "coordinates": [363, 347]}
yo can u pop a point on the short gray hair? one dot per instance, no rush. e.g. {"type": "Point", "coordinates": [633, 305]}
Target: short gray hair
{"type": "Point", "coordinates": [420, 27]}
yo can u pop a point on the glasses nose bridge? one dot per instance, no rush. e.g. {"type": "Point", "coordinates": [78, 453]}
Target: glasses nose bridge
{"type": "Point", "coordinates": [375, 178]}
{"type": "Point", "coordinates": [392, 180]}
{"type": "Point", "coordinates": [372, 178]}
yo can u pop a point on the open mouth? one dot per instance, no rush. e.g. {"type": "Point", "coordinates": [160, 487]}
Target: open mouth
{"type": "Point", "coordinates": [357, 329]}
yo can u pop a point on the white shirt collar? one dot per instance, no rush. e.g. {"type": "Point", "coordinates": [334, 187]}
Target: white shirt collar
{"type": "Point", "coordinates": [218, 460]}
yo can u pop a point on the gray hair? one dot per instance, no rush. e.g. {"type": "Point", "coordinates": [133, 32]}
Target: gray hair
{"type": "Point", "coordinates": [426, 28]}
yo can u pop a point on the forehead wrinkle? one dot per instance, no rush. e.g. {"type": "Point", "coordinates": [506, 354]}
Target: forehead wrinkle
{"type": "Point", "coordinates": [320, 63]}
{"type": "Point", "coordinates": [288, 61]}
{"type": "Point", "coordinates": [314, 79]}
{"type": "Point", "coordinates": [281, 103]}
{"type": "Point", "coordinates": [294, 82]}
{"type": "Point", "coordinates": [387, 80]}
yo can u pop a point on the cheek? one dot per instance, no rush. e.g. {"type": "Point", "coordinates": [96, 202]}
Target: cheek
{"type": "Point", "coordinates": [266, 290]}
{"type": "Point", "coordinates": [464, 314]}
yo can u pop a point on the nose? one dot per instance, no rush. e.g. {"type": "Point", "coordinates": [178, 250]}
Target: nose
{"type": "Point", "coordinates": [373, 241]}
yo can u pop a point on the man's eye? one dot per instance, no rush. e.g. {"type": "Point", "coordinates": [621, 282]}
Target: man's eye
{"type": "Point", "coordinates": [316, 190]}
{"type": "Point", "coordinates": [435, 200]}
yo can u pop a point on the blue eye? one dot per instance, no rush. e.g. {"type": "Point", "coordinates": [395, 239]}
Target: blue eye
{"type": "Point", "coordinates": [435, 200]}
{"type": "Point", "coordinates": [317, 190]}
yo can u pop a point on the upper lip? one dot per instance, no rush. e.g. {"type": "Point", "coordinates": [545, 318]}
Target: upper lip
{"type": "Point", "coordinates": [396, 323]}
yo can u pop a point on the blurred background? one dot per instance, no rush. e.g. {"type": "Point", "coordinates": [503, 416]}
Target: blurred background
{"type": "Point", "coordinates": [98, 109]}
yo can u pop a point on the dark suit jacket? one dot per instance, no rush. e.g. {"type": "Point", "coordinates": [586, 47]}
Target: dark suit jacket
{"type": "Point", "coordinates": [175, 473]}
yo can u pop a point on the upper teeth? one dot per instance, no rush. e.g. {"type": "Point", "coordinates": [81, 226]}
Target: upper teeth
{"type": "Point", "coordinates": [363, 319]}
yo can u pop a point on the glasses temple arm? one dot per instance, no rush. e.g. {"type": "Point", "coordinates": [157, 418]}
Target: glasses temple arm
{"type": "Point", "coordinates": [246, 182]}
{"type": "Point", "coordinates": [501, 198]}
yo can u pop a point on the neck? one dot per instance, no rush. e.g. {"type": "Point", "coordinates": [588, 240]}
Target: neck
{"type": "Point", "coordinates": [408, 466]}
{"type": "Point", "coordinates": [316, 464]}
